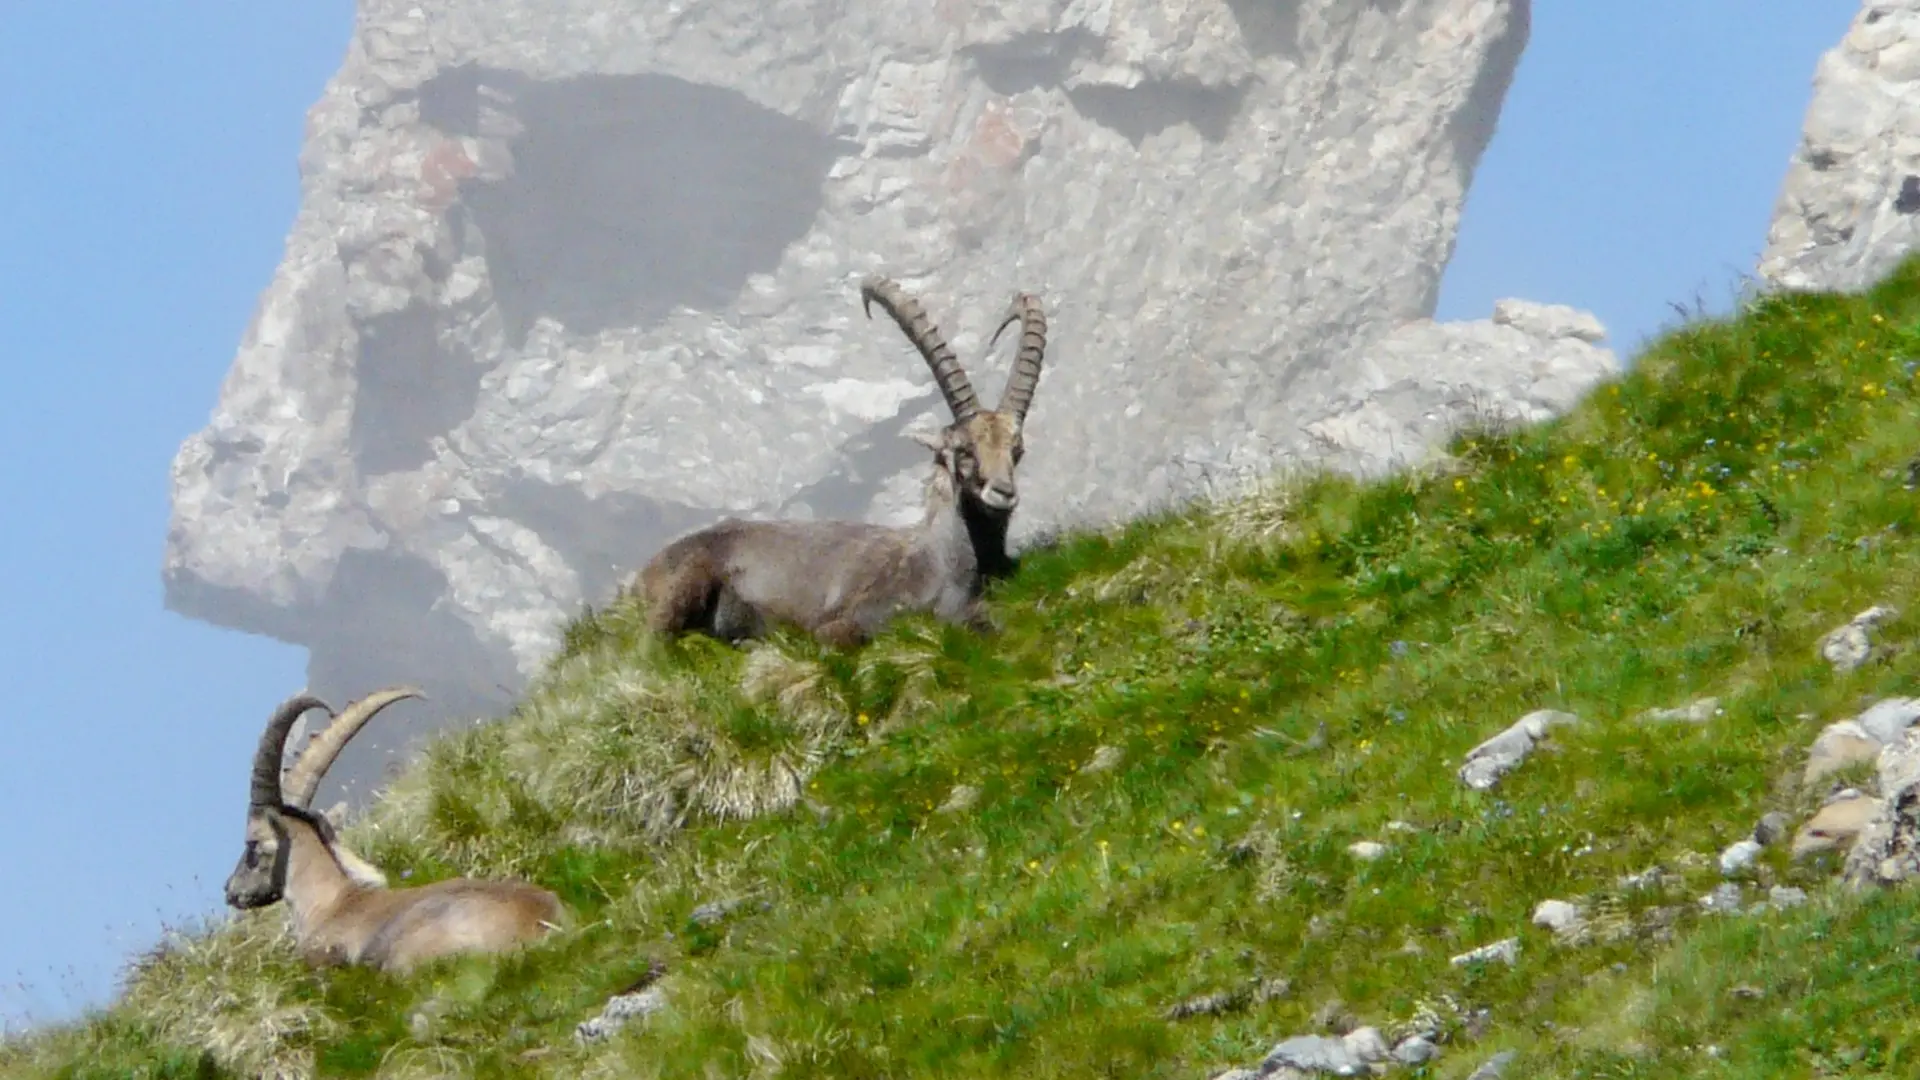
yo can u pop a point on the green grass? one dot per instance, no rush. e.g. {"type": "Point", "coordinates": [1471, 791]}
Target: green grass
{"type": "Point", "coordinates": [1691, 530]}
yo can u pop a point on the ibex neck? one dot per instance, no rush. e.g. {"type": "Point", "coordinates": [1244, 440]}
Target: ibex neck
{"type": "Point", "coordinates": [316, 884]}
{"type": "Point", "coordinates": [947, 531]}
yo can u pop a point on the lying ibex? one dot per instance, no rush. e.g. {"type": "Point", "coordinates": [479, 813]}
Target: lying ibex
{"type": "Point", "coordinates": [339, 916]}
{"type": "Point", "coordinates": [841, 580]}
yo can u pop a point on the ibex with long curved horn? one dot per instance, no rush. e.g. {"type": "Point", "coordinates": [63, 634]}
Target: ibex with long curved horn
{"type": "Point", "coordinates": [840, 580]}
{"type": "Point", "coordinates": [344, 916]}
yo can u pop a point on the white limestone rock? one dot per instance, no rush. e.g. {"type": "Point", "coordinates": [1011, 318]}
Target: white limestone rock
{"type": "Point", "coordinates": [1850, 644]}
{"type": "Point", "coordinates": [569, 278]}
{"type": "Point", "coordinates": [1840, 744]}
{"type": "Point", "coordinates": [1888, 719]}
{"type": "Point", "coordinates": [1549, 321]}
{"type": "Point", "coordinates": [1505, 951]}
{"type": "Point", "coordinates": [1412, 388]}
{"type": "Point", "coordinates": [1486, 763]}
{"type": "Point", "coordinates": [1837, 824]}
{"type": "Point", "coordinates": [1739, 857]}
{"type": "Point", "coordinates": [1558, 916]}
{"type": "Point", "coordinates": [1887, 851]}
{"type": "Point", "coordinates": [1367, 850]}
{"type": "Point", "coordinates": [1849, 208]}
{"type": "Point", "coordinates": [1865, 737]}
{"type": "Point", "coordinates": [1345, 1055]}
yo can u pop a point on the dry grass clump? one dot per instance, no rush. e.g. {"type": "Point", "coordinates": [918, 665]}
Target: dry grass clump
{"type": "Point", "coordinates": [432, 1062]}
{"type": "Point", "coordinates": [1260, 515]}
{"type": "Point", "coordinates": [610, 748]}
{"type": "Point", "coordinates": [232, 992]}
{"type": "Point", "coordinates": [1194, 560]}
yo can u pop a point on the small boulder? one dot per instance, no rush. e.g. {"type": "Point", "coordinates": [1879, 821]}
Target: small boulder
{"type": "Point", "coordinates": [1772, 828]}
{"type": "Point", "coordinates": [1346, 1055]}
{"type": "Point", "coordinates": [1725, 899]}
{"type": "Point", "coordinates": [1786, 896]}
{"type": "Point", "coordinates": [1848, 646]}
{"type": "Point", "coordinates": [1415, 1050]}
{"type": "Point", "coordinates": [1366, 1044]}
{"type": "Point", "coordinates": [1888, 719]}
{"type": "Point", "coordinates": [1366, 850]}
{"type": "Point", "coordinates": [1214, 1004]}
{"type": "Point", "coordinates": [1558, 916]}
{"type": "Point", "coordinates": [1225, 1001]}
{"type": "Point", "coordinates": [1838, 746]}
{"type": "Point", "coordinates": [1836, 825]}
{"type": "Point", "coordinates": [1486, 763]}
{"type": "Point", "coordinates": [1739, 856]}
{"type": "Point", "coordinates": [619, 1010]}
{"type": "Point", "coordinates": [1506, 951]}
{"type": "Point", "coordinates": [1888, 847]}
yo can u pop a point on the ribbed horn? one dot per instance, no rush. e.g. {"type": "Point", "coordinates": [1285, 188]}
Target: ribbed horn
{"type": "Point", "coordinates": [1026, 311]}
{"type": "Point", "coordinates": [304, 778]}
{"type": "Point", "coordinates": [266, 757]}
{"type": "Point", "coordinates": [913, 321]}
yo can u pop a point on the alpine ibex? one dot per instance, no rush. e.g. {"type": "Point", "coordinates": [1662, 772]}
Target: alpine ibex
{"type": "Point", "coordinates": [842, 581]}
{"type": "Point", "coordinates": [340, 917]}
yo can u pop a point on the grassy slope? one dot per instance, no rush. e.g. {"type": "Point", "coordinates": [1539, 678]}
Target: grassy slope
{"type": "Point", "coordinates": [1692, 530]}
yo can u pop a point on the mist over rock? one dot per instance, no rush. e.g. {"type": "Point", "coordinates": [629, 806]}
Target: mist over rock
{"type": "Point", "coordinates": [569, 278]}
{"type": "Point", "coordinates": [1850, 206]}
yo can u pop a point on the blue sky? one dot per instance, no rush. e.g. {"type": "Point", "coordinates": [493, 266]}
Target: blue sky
{"type": "Point", "coordinates": [147, 179]}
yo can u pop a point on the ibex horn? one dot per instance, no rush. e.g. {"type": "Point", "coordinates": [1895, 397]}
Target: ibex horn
{"type": "Point", "coordinates": [304, 778]}
{"type": "Point", "coordinates": [1025, 310]}
{"type": "Point", "coordinates": [913, 321]}
{"type": "Point", "coordinates": [266, 757]}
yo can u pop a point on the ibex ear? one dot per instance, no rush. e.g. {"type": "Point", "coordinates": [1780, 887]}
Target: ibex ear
{"type": "Point", "coordinates": [933, 440]}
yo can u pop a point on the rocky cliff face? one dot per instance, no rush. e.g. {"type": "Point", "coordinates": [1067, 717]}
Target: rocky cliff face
{"type": "Point", "coordinates": [1850, 207]}
{"type": "Point", "coordinates": [571, 277]}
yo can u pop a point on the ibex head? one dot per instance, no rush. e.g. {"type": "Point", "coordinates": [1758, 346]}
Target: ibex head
{"type": "Point", "coordinates": [260, 877]}
{"type": "Point", "coordinates": [981, 447]}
